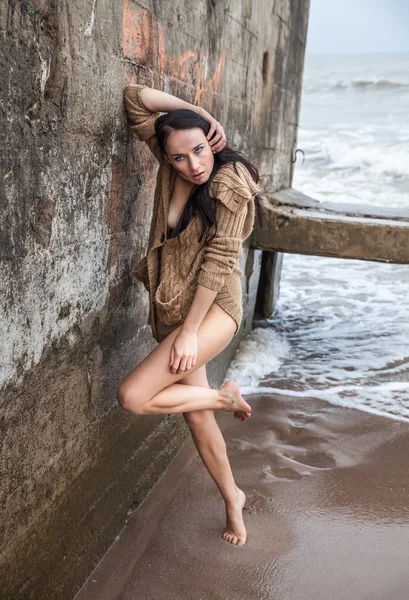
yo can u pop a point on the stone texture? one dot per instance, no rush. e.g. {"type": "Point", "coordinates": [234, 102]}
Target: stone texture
{"type": "Point", "coordinates": [76, 204]}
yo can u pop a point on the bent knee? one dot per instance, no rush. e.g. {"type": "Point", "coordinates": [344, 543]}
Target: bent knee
{"type": "Point", "coordinates": [129, 400]}
{"type": "Point", "coordinates": [196, 419]}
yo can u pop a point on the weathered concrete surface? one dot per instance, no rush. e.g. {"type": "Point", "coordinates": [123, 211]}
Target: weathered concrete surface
{"type": "Point", "coordinates": [301, 225]}
{"type": "Point", "coordinates": [75, 212]}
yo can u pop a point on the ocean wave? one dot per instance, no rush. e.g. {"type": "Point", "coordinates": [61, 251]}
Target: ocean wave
{"type": "Point", "coordinates": [375, 84]}
{"type": "Point", "coordinates": [268, 348]}
{"type": "Point", "coordinates": [347, 322]}
{"type": "Point", "coordinates": [339, 333]}
{"type": "Point", "coordinates": [355, 157]}
{"type": "Point", "coordinates": [381, 84]}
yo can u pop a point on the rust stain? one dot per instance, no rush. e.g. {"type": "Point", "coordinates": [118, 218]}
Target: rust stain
{"type": "Point", "coordinates": [112, 213]}
{"type": "Point", "coordinates": [144, 44]}
{"type": "Point", "coordinates": [212, 86]}
{"type": "Point", "coordinates": [138, 33]}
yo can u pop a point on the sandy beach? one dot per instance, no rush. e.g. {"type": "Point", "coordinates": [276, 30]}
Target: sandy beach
{"type": "Point", "coordinates": [327, 514]}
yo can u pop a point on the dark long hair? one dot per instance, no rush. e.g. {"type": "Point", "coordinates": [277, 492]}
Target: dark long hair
{"type": "Point", "coordinates": [199, 201]}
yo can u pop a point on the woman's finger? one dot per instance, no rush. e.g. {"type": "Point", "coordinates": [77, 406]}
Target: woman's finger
{"type": "Point", "coordinates": [219, 146]}
{"type": "Point", "coordinates": [211, 131]}
{"type": "Point", "coordinates": [218, 136]}
{"type": "Point", "coordinates": [175, 365]}
{"type": "Point", "coordinates": [182, 365]}
{"type": "Point", "coordinates": [171, 356]}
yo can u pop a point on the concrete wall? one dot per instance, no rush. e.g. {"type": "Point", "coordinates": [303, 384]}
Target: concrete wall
{"type": "Point", "coordinates": [76, 204]}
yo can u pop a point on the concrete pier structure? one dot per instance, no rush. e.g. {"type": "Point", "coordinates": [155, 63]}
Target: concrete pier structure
{"type": "Point", "coordinates": [299, 224]}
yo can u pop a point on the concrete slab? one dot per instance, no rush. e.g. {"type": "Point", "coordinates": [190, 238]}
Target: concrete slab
{"type": "Point", "coordinates": [298, 224]}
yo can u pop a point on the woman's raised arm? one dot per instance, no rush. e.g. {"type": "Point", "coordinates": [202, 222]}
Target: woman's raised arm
{"type": "Point", "coordinates": [141, 119]}
{"type": "Point", "coordinates": [155, 100]}
{"type": "Point", "coordinates": [158, 101]}
{"type": "Point", "coordinates": [144, 104]}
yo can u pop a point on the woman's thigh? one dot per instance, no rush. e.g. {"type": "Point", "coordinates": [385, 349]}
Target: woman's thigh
{"type": "Point", "coordinates": [197, 377]}
{"type": "Point", "coordinates": [153, 374]}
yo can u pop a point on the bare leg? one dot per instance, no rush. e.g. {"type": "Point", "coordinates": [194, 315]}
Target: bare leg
{"type": "Point", "coordinates": [151, 387]}
{"type": "Point", "coordinates": [211, 447]}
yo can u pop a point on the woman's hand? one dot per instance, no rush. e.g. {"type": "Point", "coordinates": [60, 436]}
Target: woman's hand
{"type": "Point", "coordinates": [219, 140]}
{"type": "Point", "coordinates": [183, 353]}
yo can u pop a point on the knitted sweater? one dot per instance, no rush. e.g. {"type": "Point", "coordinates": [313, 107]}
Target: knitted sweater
{"type": "Point", "coordinates": [173, 266]}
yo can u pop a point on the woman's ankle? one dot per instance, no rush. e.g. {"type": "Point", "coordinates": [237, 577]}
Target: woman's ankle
{"type": "Point", "coordinates": [224, 401]}
{"type": "Point", "coordinates": [232, 498]}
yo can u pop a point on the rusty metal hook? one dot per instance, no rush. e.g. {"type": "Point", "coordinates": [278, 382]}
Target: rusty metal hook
{"type": "Point", "coordinates": [295, 156]}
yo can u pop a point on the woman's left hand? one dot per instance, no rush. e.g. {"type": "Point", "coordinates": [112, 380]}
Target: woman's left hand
{"type": "Point", "coordinates": [183, 353]}
{"type": "Point", "coordinates": [219, 138]}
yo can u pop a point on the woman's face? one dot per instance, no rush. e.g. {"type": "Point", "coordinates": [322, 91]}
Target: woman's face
{"type": "Point", "coordinates": [189, 152]}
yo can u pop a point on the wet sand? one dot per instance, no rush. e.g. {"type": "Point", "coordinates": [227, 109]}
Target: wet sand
{"type": "Point", "coordinates": [327, 514]}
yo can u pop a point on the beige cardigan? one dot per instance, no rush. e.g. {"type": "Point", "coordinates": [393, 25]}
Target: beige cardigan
{"type": "Point", "coordinates": [171, 271]}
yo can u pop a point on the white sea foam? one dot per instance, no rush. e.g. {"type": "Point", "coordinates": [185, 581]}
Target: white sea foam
{"type": "Point", "coordinates": [354, 171]}
{"type": "Point", "coordinates": [356, 147]}
{"type": "Point", "coordinates": [341, 328]}
{"type": "Point", "coordinates": [267, 347]}
{"type": "Point", "coordinates": [361, 399]}
{"type": "Point", "coordinates": [372, 158]}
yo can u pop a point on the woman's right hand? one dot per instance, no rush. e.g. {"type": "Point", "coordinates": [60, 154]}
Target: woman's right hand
{"type": "Point", "coordinates": [183, 353]}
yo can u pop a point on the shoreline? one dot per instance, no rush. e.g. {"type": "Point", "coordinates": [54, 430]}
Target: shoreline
{"type": "Point", "coordinates": [327, 513]}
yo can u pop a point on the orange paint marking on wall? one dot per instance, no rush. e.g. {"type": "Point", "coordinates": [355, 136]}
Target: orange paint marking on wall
{"type": "Point", "coordinates": [144, 44]}
{"type": "Point", "coordinates": [138, 33]}
{"type": "Point", "coordinates": [209, 89]}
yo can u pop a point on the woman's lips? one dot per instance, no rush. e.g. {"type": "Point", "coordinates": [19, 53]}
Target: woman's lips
{"type": "Point", "coordinates": [198, 176]}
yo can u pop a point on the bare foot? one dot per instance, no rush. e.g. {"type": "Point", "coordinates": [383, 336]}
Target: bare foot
{"type": "Point", "coordinates": [232, 400]}
{"type": "Point", "coordinates": [235, 531]}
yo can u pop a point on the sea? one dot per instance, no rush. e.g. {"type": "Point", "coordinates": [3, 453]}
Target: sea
{"type": "Point", "coordinates": [340, 331]}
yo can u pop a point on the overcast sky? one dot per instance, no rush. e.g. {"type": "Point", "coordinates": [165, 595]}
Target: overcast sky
{"type": "Point", "coordinates": [345, 26]}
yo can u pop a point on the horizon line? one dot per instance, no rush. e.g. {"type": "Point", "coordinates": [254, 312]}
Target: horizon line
{"type": "Point", "coordinates": [365, 53]}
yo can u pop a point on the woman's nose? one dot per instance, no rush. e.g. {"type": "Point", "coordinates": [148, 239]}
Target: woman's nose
{"type": "Point", "coordinates": [194, 165]}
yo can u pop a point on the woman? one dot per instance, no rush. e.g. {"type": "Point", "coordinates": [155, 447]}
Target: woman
{"type": "Point", "coordinates": [204, 208]}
